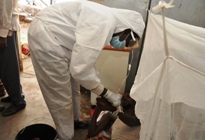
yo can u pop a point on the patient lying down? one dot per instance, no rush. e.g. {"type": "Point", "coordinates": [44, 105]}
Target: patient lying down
{"type": "Point", "coordinates": [113, 123]}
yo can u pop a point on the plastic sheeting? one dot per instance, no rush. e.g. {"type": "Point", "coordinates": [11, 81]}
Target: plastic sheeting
{"type": "Point", "coordinates": [170, 90]}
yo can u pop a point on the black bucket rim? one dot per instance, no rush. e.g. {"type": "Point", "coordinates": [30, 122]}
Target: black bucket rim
{"type": "Point", "coordinates": [26, 132]}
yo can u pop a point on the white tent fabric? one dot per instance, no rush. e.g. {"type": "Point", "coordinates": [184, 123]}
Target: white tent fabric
{"type": "Point", "coordinates": [170, 90]}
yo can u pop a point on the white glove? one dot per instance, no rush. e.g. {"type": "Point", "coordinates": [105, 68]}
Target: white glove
{"type": "Point", "coordinates": [114, 98]}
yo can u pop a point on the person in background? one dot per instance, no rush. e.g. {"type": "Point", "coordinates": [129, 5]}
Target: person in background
{"type": "Point", "coordinates": [2, 93]}
{"type": "Point", "coordinates": [9, 68]}
{"type": "Point", "coordinates": [2, 89]}
{"type": "Point", "coordinates": [66, 39]}
{"type": "Point", "coordinates": [2, 107]}
{"type": "Point", "coordinates": [123, 123]}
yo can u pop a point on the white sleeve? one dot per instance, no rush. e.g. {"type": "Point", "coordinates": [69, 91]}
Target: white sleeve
{"type": "Point", "coordinates": [93, 31]}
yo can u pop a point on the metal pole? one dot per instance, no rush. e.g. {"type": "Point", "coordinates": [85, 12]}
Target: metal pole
{"type": "Point", "coordinates": [143, 37]}
{"type": "Point", "coordinates": [137, 55]}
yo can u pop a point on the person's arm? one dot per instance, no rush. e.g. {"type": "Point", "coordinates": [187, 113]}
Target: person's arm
{"type": "Point", "coordinates": [102, 105]}
{"type": "Point", "coordinates": [129, 119]}
{"type": "Point", "coordinates": [96, 127]}
{"type": "Point", "coordinates": [91, 38]}
{"type": "Point", "coordinates": [92, 34]}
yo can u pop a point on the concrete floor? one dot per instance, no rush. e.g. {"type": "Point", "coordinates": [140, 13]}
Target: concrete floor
{"type": "Point", "coordinates": [36, 110]}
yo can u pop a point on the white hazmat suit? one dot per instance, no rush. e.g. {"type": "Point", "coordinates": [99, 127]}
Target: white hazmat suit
{"type": "Point", "coordinates": [66, 39]}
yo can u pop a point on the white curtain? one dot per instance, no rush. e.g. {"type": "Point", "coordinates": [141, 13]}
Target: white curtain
{"type": "Point", "coordinates": [170, 90]}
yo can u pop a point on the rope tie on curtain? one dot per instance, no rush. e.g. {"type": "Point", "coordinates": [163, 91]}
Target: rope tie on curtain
{"type": "Point", "coordinates": [161, 6]}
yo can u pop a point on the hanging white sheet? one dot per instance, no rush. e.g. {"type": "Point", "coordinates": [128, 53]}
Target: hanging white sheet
{"type": "Point", "coordinates": [170, 90]}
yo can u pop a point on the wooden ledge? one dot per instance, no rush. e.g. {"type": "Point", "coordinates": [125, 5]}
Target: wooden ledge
{"type": "Point", "coordinates": [114, 49]}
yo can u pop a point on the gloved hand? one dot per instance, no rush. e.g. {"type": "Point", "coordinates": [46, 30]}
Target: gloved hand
{"type": "Point", "coordinates": [104, 104]}
{"type": "Point", "coordinates": [114, 98]}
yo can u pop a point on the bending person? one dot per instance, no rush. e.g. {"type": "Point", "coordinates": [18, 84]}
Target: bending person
{"type": "Point", "coordinates": [66, 39]}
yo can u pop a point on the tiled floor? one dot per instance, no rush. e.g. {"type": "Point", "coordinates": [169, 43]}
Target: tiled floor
{"type": "Point", "coordinates": [36, 110]}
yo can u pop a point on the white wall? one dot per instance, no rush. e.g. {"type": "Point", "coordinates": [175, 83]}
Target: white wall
{"type": "Point", "coordinates": [112, 68]}
{"type": "Point", "coordinates": [188, 11]}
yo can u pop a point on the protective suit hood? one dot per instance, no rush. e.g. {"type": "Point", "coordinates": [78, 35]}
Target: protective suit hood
{"type": "Point", "coordinates": [128, 19]}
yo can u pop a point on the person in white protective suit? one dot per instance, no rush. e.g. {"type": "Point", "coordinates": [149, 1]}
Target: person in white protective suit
{"type": "Point", "coordinates": [65, 40]}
